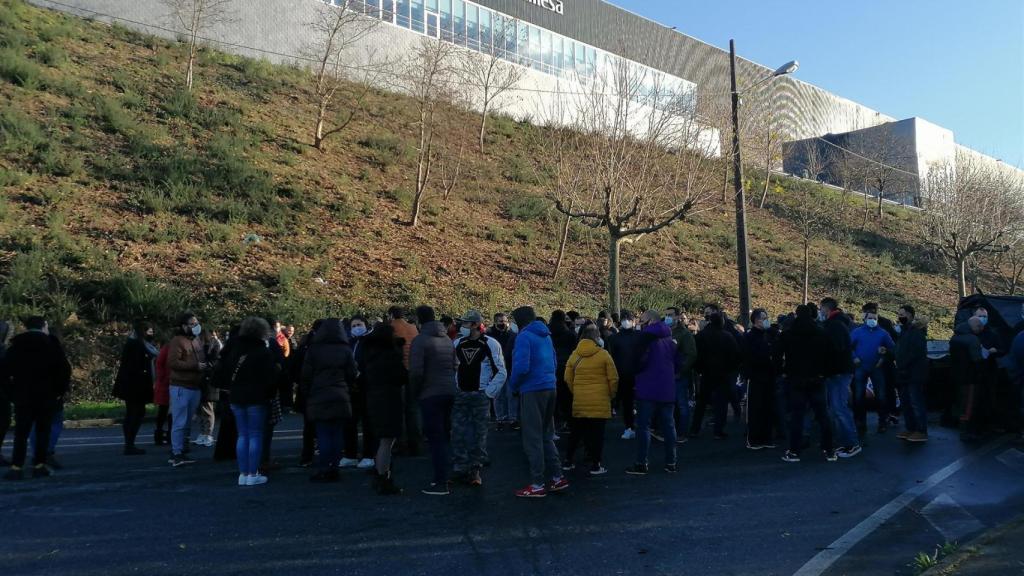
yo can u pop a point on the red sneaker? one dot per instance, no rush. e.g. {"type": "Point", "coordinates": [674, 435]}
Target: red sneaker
{"type": "Point", "coordinates": [558, 485]}
{"type": "Point", "coordinates": [532, 491]}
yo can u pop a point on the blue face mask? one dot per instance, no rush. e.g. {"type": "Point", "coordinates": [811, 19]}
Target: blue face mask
{"type": "Point", "coordinates": [669, 320]}
{"type": "Point", "coordinates": [872, 323]}
{"type": "Point", "coordinates": [358, 331]}
{"type": "Point", "coordinates": [984, 320]}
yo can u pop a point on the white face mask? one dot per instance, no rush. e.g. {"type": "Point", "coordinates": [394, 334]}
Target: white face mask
{"type": "Point", "coordinates": [627, 324]}
{"type": "Point", "coordinates": [766, 323]}
{"type": "Point", "coordinates": [871, 322]}
{"type": "Point", "coordinates": [600, 342]}
{"type": "Point", "coordinates": [197, 330]}
{"type": "Point", "coordinates": [899, 329]}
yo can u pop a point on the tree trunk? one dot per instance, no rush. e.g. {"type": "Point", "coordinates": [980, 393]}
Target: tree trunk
{"type": "Point", "coordinates": [483, 127]}
{"type": "Point", "coordinates": [767, 181]}
{"type": "Point", "coordinates": [807, 269]}
{"type": "Point", "coordinates": [961, 277]}
{"type": "Point", "coordinates": [725, 184]}
{"type": "Point", "coordinates": [614, 295]}
{"type": "Point", "coordinates": [191, 64]}
{"type": "Point", "coordinates": [562, 243]}
{"type": "Point", "coordinates": [879, 204]}
{"type": "Point", "coordinates": [318, 136]}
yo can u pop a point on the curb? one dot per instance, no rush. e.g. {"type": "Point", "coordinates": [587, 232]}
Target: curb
{"type": "Point", "coordinates": [950, 565]}
{"type": "Point", "coordinates": [98, 422]}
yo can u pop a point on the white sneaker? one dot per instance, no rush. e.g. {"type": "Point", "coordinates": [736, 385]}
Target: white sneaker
{"type": "Point", "coordinates": [255, 480]}
{"type": "Point", "coordinates": [243, 480]}
{"type": "Point", "coordinates": [209, 441]}
{"type": "Point", "coordinates": [366, 464]}
{"type": "Point", "coordinates": [629, 434]}
{"type": "Point", "coordinates": [557, 438]}
{"type": "Point", "coordinates": [348, 463]}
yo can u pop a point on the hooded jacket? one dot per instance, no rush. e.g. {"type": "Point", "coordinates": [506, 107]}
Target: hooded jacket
{"type": "Point", "coordinates": [533, 360]}
{"type": "Point", "coordinates": [431, 362]}
{"type": "Point", "coordinates": [656, 379]}
{"type": "Point", "coordinates": [623, 346]}
{"type": "Point", "coordinates": [912, 352]}
{"type": "Point", "coordinates": [327, 373]}
{"type": "Point", "coordinates": [591, 377]}
{"type": "Point", "coordinates": [249, 371]}
{"type": "Point", "coordinates": [136, 374]}
{"type": "Point", "coordinates": [802, 354]}
{"type": "Point", "coordinates": [718, 354]}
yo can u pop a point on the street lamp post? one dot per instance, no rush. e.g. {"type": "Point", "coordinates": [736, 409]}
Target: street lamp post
{"type": "Point", "coordinates": [742, 257]}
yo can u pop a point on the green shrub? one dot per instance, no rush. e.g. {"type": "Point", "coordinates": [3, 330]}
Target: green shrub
{"type": "Point", "coordinates": [18, 70]}
{"type": "Point", "coordinates": [180, 104]}
{"type": "Point", "coordinates": [11, 178]}
{"type": "Point", "coordinates": [527, 208]}
{"type": "Point", "coordinates": [115, 118]}
{"type": "Point", "coordinates": [51, 55]}
{"type": "Point", "coordinates": [133, 296]}
{"type": "Point", "coordinates": [64, 85]}
{"type": "Point", "coordinates": [19, 132]}
{"type": "Point", "coordinates": [133, 100]}
{"type": "Point", "coordinates": [384, 149]}
{"type": "Point", "coordinates": [659, 297]}
{"type": "Point", "coordinates": [521, 171]}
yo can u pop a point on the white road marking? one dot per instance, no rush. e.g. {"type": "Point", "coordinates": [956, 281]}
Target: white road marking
{"type": "Point", "coordinates": [1013, 459]}
{"type": "Point", "coordinates": [950, 519]}
{"type": "Point", "coordinates": [62, 447]}
{"type": "Point", "coordinates": [824, 559]}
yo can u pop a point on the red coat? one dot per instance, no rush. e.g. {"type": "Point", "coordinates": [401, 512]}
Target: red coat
{"type": "Point", "coordinates": [162, 386]}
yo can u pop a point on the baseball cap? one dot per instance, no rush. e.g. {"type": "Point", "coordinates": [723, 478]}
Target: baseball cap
{"type": "Point", "coordinates": [472, 316]}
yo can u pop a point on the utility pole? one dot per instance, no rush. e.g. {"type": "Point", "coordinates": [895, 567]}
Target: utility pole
{"type": "Point", "coordinates": [742, 260]}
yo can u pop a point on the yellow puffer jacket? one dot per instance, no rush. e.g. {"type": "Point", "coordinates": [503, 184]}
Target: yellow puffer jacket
{"type": "Point", "coordinates": [593, 380]}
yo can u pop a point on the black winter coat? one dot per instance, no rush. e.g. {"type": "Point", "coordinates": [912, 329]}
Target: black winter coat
{"type": "Point", "coordinates": [564, 341]}
{"type": "Point", "coordinates": [384, 376]}
{"type": "Point", "coordinates": [249, 371]}
{"type": "Point", "coordinates": [802, 354]}
{"type": "Point", "coordinates": [327, 373]}
{"type": "Point", "coordinates": [840, 352]}
{"type": "Point", "coordinates": [718, 354]}
{"type": "Point", "coordinates": [36, 370]}
{"type": "Point", "coordinates": [625, 350]}
{"type": "Point", "coordinates": [759, 362]}
{"type": "Point", "coordinates": [135, 374]}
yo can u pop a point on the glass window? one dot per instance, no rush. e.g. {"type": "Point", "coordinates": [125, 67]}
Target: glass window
{"type": "Point", "coordinates": [402, 13]}
{"type": "Point", "coordinates": [523, 43]}
{"type": "Point", "coordinates": [556, 52]}
{"type": "Point", "coordinates": [372, 8]}
{"type": "Point", "coordinates": [432, 23]}
{"type": "Point", "coordinates": [546, 40]}
{"type": "Point", "coordinates": [472, 27]}
{"type": "Point", "coordinates": [432, 5]}
{"type": "Point", "coordinates": [417, 15]}
{"type": "Point", "coordinates": [387, 12]}
{"type": "Point", "coordinates": [591, 61]}
{"type": "Point", "coordinates": [446, 20]}
{"type": "Point", "coordinates": [485, 31]}
{"type": "Point", "coordinates": [510, 39]}
{"type": "Point", "coordinates": [581, 59]}
{"type": "Point", "coordinates": [460, 21]}
{"type": "Point", "coordinates": [535, 46]}
{"type": "Point", "coordinates": [567, 62]}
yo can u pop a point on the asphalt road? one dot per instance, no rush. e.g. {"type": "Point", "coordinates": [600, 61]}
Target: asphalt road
{"type": "Point", "coordinates": [728, 511]}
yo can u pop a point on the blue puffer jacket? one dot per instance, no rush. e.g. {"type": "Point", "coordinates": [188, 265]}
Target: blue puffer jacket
{"type": "Point", "coordinates": [533, 360]}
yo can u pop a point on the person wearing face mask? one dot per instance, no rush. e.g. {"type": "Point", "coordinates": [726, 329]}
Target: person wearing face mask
{"type": "Point", "coordinates": [506, 408]}
{"type": "Point", "coordinates": [360, 415]}
{"type": "Point", "coordinates": [759, 370]}
{"type": "Point", "coordinates": [187, 360]}
{"type": "Point", "coordinates": [993, 377]}
{"type": "Point", "coordinates": [967, 365]}
{"type": "Point", "coordinates": [655, 391]}
{"type": "Point", "coordinates": [838, 375]}
{"type": "Point", "coordinates": [871, 346]}
{"type": "Point", "coordinates": [718, 361]}
{"type": "Point", "coordinates": [888, 365]}
{"type": "Point", "coordinates": [480, 375]}
{"type": "Point", "coordinates": [136, 375]}
{"type": "Point", "coordinates": [912, 373]}
{"type": "Point", "coordinates": [592, 378]}
{"type": "Point", "coordinates": [686, 350]}
{"type": "Point", "coordinates": [623, 348]}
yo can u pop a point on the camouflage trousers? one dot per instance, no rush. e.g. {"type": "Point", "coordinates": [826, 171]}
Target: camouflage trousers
{"type": "Point", "coordinates": [470, 415]}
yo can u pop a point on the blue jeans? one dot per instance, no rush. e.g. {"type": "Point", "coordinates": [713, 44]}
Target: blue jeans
{"type": "Point", "coordinates": [329, 437]}
{"type": "Point", "coordinates": [506, 408]}
{"type": "Point", "coordinates": [838, 389]}
{"type": "Point", "coordinates": [184, 403]}
{"type": "Point", "coordinates": [249, 419]}
{"type": "Point", "coordinates": [56, 427]}
{"type": "Point", "coordinates": [860, 384]}
{"type": "Point", "coordinates": [645, 410]}
{"type": "Point", "coordinates": [915, 407]}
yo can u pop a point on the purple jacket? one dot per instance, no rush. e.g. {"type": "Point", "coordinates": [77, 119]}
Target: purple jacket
{"type": "Point", "coordinates": [656, 379]}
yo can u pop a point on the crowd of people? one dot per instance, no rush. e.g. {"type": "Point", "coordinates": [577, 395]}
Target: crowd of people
{"type": "Point", "coordinates": [400, 381]}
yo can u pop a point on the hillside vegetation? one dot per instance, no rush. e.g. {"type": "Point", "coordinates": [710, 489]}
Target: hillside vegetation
{"type": "Point", "coordinates": [122, 195]}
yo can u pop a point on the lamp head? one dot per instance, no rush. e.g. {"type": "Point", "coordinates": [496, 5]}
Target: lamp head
{"type": "Point", "coordinates": [787, 68]}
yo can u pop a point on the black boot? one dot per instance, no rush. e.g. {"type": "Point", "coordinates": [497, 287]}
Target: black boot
{"type": "Point", "coordinates": [387, 486]}
{"type": "Point", "coordinates": [158, 437]}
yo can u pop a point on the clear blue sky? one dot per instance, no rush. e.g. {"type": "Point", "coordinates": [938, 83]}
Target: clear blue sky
{"type": "Point", "coordinates": [956, 63]}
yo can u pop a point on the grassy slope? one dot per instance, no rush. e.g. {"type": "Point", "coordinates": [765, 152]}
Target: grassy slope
{"type": "Point", "coordinates": [119, 196]}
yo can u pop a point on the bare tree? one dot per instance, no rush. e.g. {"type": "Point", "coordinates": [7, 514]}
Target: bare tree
{"type": "Point", "coordinates": [1009, 266]}
{"type": "Point", "coordinates": [337, 30]}
{"type": "Point", "coordinates": [429, 76]}
{"type": "Point", "coordinates": [971, 206]}
{"type": "Point", "coordinates": [632, 160]}
{"type": "Point", "coordinates": [883, 158]}
{"type": "Point", "coordinates": [815, 214]}
{"type": "Point", "coordinates": [195, 17]}
{"type": "Point", "coordinates": [492, 77]}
